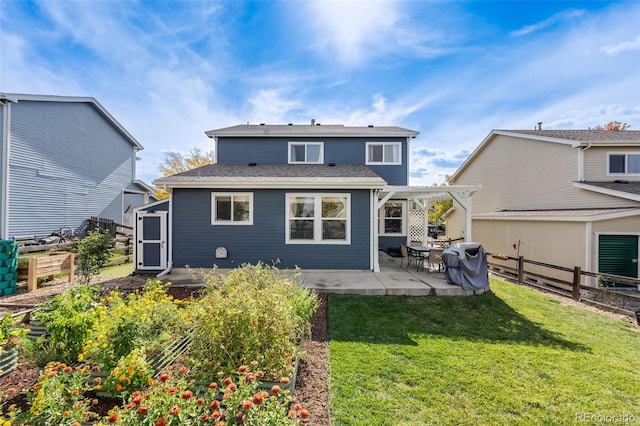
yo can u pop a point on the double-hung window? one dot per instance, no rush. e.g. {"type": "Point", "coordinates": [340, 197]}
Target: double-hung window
{"type": "Point", "coordinates": [623, 164]}
{"type": "Point", "coordinates": [384, 153]}
{"type": "Point", "coordinates": [306, 152]}
{"type": "Point", "coordinates": [318, 219]}
{"type": "Point", "coordinates": [392, 218]}
{"type": "Point", "coordinates": [232, 208]}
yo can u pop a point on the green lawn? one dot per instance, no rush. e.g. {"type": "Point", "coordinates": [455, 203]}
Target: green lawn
{"type": "Point", "coordinates": [511, 356]}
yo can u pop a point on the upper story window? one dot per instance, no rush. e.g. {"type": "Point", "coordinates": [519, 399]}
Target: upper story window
{"type": "Point", "coordinates": [384, 153]}
{"type": "Point", "coordinates": [306, 152]}
{"type": "Point", "coordinates": [232, 208]}
{"type": "Point", "coordinates": [318, 219]}
{"type": "Point", "coordinates": [624, 164]}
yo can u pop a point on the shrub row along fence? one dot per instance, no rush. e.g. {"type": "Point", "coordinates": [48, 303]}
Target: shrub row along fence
{"type": "Point", "coordinates": [606, 293]}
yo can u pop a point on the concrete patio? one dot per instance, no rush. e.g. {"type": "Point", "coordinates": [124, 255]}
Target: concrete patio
{"type": "Point", "coordinates": [392, 280]}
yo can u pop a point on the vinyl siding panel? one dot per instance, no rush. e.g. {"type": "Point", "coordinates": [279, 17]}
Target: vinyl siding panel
{"type": "Point", "coordinates": [195, 239]}
{"type": "Point", "coordinates": [595, 163]}
{"type": "Point", "coordinates": [2, 109]}
{"type": "Point", "coordinates": [336, 150]}
{"type": "Point", "coordinates": [67, 164]}
{"type": "Point", "coordinates": [519, 174]}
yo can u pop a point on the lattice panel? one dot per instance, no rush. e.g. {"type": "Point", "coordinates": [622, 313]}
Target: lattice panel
{"type": "Point", "coordinates": [417, 222]}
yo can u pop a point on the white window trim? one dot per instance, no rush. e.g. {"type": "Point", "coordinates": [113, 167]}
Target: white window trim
{"type": "Point", "coordinates": [626, 167]}
{"type": "Point", "coordinates": [231, 194]}
{"type": "Point", "coordinates": [383, 163]}
{"type": "Point", "coordinates": [403, 219]}
{"type": "Point", "coordinates": [317, 219]}
{"type": "Point", "coordinates": [306, 144]}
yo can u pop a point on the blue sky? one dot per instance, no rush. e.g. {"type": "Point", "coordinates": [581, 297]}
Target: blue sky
{"type": "Point", "coordinates": [168, 71]}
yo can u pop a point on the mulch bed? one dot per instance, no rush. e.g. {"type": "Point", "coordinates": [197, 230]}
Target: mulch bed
{"type": "Point", "coordinates": [312, 384]}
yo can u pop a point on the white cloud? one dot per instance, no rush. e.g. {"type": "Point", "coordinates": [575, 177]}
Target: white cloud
{"type": "Point", "coordinates": [614, 49]}
{"type": "Point", "coordinates": [270, 106]}
{"type": "Point", "coordinates": [550, 21]}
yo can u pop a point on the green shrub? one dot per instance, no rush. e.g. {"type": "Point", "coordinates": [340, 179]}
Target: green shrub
{"type": "Point", "coordinates": [93, 252]}
{"type": "Point", "coordinates": [67, 317]}
{"type": "Point", "coordinates": [253, 314]}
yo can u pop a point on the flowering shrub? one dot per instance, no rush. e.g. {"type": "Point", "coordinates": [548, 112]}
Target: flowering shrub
{"type": "Point", "coordinates": [253, 313]}
{"type": "Point", "coordinates": [68, 317]}
{"type": "Point", "coordinates": [58, 397]}
{"type": "Point", "coordinates": [173, 400]}
{"type": "Point", "coordinates": [149, 318]}
{"type": "Point", "coordinates": [131, 373]}
{"type": "Point", "coordinates": [10, 332]}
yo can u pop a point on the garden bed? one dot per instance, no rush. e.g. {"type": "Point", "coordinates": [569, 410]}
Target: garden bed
{"type": "Point", "coordinates": [311, 385]}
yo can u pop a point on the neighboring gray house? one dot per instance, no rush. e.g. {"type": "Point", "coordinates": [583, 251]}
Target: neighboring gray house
{"type": "Point", "coordinates": [314, 196]}
{"type": "Point", "coordinates": [62, 160]}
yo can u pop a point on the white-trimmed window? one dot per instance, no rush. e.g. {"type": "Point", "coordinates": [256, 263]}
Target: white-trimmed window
{"type": "Point", "coordinates": [306, 152]}
{"type": "Point", "coordinates": [623, 164]}
{"type": "Point", "coordinates": [318, 219]}
{"type": "Point", "coordinates": [384, 153]}
{"type": "Point", "coordinates": [392, 218]}
{"type": "Point", "coordinates": [232, 208]}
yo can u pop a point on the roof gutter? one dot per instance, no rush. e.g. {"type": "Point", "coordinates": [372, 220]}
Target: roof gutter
{"type": "Point", "coordinates": [581, 162]}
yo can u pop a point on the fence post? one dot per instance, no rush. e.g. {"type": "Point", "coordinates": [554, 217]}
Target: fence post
{"type": "Point", "coordinates": [520, 269]}
{"type": "Point", "coordinates": [577, 272]}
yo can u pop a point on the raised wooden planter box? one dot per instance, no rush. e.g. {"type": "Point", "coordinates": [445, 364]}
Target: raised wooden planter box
{"type": "Point", "coordinates": [49, 266]}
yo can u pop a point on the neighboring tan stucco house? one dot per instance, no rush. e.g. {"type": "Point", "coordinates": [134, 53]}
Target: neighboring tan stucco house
{"type": "Point", "coordinates": [569, 197]}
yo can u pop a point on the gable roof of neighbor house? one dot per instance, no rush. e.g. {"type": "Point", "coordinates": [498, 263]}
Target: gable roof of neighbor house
{"type": "Point", "coordinates": [575, 138]}
{"type": "Point", "coordinates": [254, 175]}
{"type": "Point", "coordinates": [17, 97]}
{"type": "Point", "coordinates": [310, 130]}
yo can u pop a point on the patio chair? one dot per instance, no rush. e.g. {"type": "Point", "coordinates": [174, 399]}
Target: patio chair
{"type": "Point", "coordinates": [416, 257]}
{"type": "Point", "coordinates": [435, 257]}
{"type": "Point", "coordinates": [405, 255]}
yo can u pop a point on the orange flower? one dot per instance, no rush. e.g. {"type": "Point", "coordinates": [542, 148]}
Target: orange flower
{"type": "Point", "coordinates": [260, 373]}
{"type": "Point", "coordinates": [187, 394]}
{"type": "Point", "coordinates": [122, 378]}
{"type": "Point", "coordinates": [215, 404]}
{"type": "Point", "coordinates": [119, 388]}
{"type": "Point", "coordinates": [213, 385]}
{"type": "Point", "coordinates": [163, 378]}
{"type": "Point", "coordinates": [304, 413]}
{"type": "Point", "coordinates": [216, 415]}
{"type": "Point", "coordinates": [243, 369]}
{"type": "Point", "coordinates": [200, 401]}
{"type": "Point", "coordinates": [247, 405]}
{"type": "Point", "coordinates": [113, 418]}
{"type": "Point", "coordinates": [284, 380]}
{"type": "Point", "coordinates": [257, 399]}
{"type": "Point", "coordinates": [12, 391]}
{"type": "Point", "coordinates": [131, 370]}
{"type": "Point", "coordinates": [161, 421]}
{"type": "Point", "coordinates": [137, 399]}
{"type": "Point", "coordinates": [143, 410]}
{"type": "Point", "coordinates": [172, 391]}
{"type": "Point", "coordinates": [227, 381]}
{"type": "Point", "coordinates": [97, 380]}
{"type": "Point", "coordinates": [275, 389]}
{"type": "Point", "coordinates": [249, 377]}
{"type": "Point", "coordinates": [297, 406]}
{"type": "Point", "coordinates": [292, 414]}
{"type": "Point", "coordinates": [183, 370]}
{"type": "Point", "coordinates": [174, 411]}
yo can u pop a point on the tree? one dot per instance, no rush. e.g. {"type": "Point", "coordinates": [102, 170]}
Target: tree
{"type": "Point", "coordinates": [177, 162]}
{"type": "Point", "coordinates": [613, 126]}
{"type": "Point", "coordinates": [93, 252]}
{"type": "Point", "coordinates": [440, 207]}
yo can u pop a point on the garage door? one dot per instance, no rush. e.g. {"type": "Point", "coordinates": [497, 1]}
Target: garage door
{"type": "Point", "coordinates": [618, 254]}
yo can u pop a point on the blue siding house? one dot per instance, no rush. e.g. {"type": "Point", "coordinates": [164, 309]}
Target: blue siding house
{"type": "Point", "coordinates": [312, 196]}
{"type": "Point", "coordinates": [62, 160]}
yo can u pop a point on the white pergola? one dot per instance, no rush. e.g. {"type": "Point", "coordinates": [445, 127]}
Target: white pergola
{"type": "Point", "coordinates": [423, 196]}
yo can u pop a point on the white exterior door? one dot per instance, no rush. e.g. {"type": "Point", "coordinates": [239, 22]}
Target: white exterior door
{"type": "Point", "coordinates": [151, 240]}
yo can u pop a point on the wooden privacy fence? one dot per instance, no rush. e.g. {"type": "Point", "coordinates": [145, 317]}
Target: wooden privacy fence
{"type": "Point", "coordinates": [520, 274]}
{"type": "Point", "coordinates": [49, 266]}
{"type": "Point", "coordinates": [103, 225]}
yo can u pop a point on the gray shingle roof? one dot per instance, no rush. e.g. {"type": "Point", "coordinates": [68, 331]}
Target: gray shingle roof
{"type": "Point", "coordinates": [261, 174]}
{"type": "Point", "coordinates": [605, 136]}
{"type": "Point", "coordinates": [318, 130]}
{"type": "Point", "coordinates": [622, 186]}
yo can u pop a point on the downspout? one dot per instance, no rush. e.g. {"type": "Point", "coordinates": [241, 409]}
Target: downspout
{"type": "Point", "coordinates": [6, 138]}
{"type": "Point", "coordinates": [375, 260]}
{"type": "Point", "coordinates": [170, 240]}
